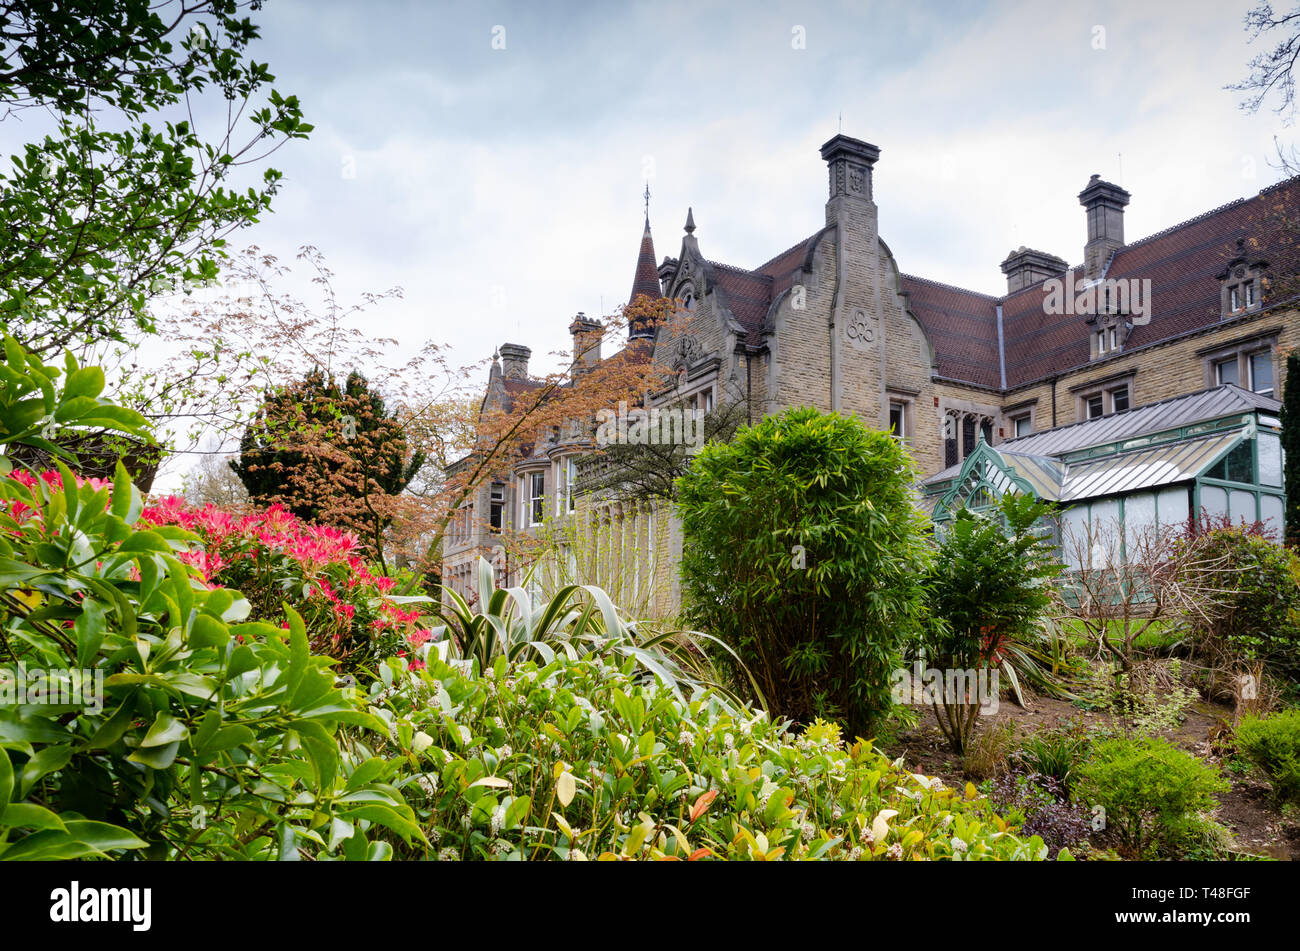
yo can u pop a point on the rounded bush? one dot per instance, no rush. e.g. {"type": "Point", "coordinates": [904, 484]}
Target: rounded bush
{"type": "Point", "coordinates": [804, 552]}
{"type": "Point", "coordinates": [1273, 744]}
{"type": "Point", "coordinates": [1148, 788]}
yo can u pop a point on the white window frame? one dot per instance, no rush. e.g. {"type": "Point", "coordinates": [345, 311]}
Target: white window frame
{"type": "Point", "coordinates": [532, 503]}
{"type": "Point", "coordinates": [1250, 371]}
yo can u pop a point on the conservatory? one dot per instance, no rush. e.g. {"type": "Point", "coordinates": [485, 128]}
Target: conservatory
{"type": "Point", "coordinates": [1217, 453]}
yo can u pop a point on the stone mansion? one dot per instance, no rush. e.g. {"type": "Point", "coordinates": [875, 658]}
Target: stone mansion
{"type": "Point", "coordinates": [963, 377]}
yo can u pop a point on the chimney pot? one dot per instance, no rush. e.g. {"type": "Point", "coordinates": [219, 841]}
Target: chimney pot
{"type": "Point", "coordinates": [1104, 202]}
{"type": "Point", "coordinates": [1026, 267]}
{"type": "Point", "coordinates": [514, 361]}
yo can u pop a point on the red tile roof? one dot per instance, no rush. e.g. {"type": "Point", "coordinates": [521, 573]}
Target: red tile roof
{"type": "Point", "coordinates": [963, 327]}
{"type": "Point", "coordinates": [1182, 263]}
{"type": "Point", "coordinates": [646, 279]}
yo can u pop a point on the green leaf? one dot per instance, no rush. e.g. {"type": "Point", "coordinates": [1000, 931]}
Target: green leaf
{"type": "Point", "coordinates": [6, 780]}
{"type": "Point", "coordinates": [89, 629]}
{"type": "Point", "coordinates": [47, 760]}
{"type": "Point", "coordinates": [322, 750]}
{"type": "Point", "coordinates": [156, 757]}
{"type": "Point", "coordinates": [208, 631]}
{"type": "Point", "coordinates": [165, 729]}
{"type": "Point", "coordinates": [88, 381]}
{"type": "Point", "coordinates": [26, 815]}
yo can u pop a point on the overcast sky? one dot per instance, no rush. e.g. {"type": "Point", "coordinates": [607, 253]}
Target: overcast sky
{"type": "Point", "coordinates": [490, 158]}
{"type": "Point", "coordinates": [501, 188]}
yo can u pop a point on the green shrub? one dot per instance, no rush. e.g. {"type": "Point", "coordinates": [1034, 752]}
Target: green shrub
{"type": "Point", "coordinates": [1149, 790]}
{"type": "Point", "coordinates": [587, 759]}
{"type": "Point", "coordinates": [1257, 611]}
{"type": "Point", "coordinates": [1273, 744]}
{"type": "Point", "coordinates": [987, 590]}
{"type": "Point", "coordinates": [1059, 754]}
{"type": "Point", "coordinates": [805, 553]}
{"type": "Point", "coordinates": [194, 732]}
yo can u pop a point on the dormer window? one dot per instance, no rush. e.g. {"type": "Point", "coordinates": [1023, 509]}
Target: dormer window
{"type": "Point", "coordinates": [1107, 339]}
{"type": "Point", "coordinates": [1243, 283]}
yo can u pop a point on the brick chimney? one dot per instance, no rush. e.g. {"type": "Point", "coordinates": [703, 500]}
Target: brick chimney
{"type": "Point", "coordinates": [514, 361]}
{"type": "Point", "coordinates": [587, 334]}
{"type": "Point", "coordinates": [1025, 267]}
{"type": "Point", "coordinates": [1105, 203]}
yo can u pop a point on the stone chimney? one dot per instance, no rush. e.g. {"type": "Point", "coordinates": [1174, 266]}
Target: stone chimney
{"type": "Point", "coordinates": [514, 361]}
{"type": "Point", "coordinates": [1105, 205]}
{"type": "Point", "coordinates": [587, 334]}
{"type": "Point", "coordinates": [849, 162]}
{"type": "Point", "coordinates": [1025, 267]}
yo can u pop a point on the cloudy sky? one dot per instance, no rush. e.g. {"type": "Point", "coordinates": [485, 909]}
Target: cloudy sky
{"type": "Point", "coordinates": [490, 158]}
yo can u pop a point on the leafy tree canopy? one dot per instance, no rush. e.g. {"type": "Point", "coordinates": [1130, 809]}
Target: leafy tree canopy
{"type": "Point", "coordinates": [125, 198]}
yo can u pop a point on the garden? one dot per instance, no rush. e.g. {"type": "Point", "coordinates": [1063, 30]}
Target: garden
{"type": "Point", "coordinates": [264, 689]}
{"type": "Point", "coordinates": [271, 665]}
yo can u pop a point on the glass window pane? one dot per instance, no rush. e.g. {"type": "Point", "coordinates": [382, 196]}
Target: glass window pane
{"type": "Point", "coordinates": [1172, 507]}
{"type": "Point", "coordinates": [1270, 459]}
{"type": "Point", "coordinates": [1139, 518]}
{"type": "Point", "coordinates": [1119, 399]}
{"type": "Point", "coordinates": [1074, 536]}
{"type": "Point", "coordinates": [1225, 371]}
{"type": "Point", "coordinates": [1094, 406]}
{"type": "Point", "coordinates": [1106, 533]}
{"type": "Point", "coordinates": [1241, 463]}
{"type": "Point", "coordinates": [1261, 373]}
{"type": "Point", "coordinates": [1243, 506]}
{"type": "Point", "coordinates": [1214, 501]}
{"type": "Point", "coordinates": [1270, 513]}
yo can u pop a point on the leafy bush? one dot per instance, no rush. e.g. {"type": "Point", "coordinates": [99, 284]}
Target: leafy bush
{"type": "Point", "coordinates": [141, 710]}
{"type": "Point", "coordinates": [1040, 805]}
{"type": "Point", "coordinates": [188, 710]}
{"type": "Point", "coordinates": [329, 452]}
{"type": "Point", "coordinates": [1273, 744]}
{"type": "Point", "coordinates": [988, 588]}
{"type": "Point", "coordinates": [585, 758]}
{"type": "Point", "coordinates": [1148, 788]}
{"type": "Point", "coordinates": [1256, 614]}
{"type": "Point", "coordinates": [1057, 755]}
{"type": "Point", "coordinates": [575, 619]}
{"type": "Point", "coordinates": [354, 615]}
{"type": "Point", "coordinates": [805, 553]}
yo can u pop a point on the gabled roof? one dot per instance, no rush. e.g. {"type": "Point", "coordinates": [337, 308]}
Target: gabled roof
{"type": "Point", "coordinates": [1182, 263]}
{"type": "Point", "coordinates": [750, 293]}
{"type": "Point", "coordinates": [1161, 443]}
{"type": "Point", "coordinates": [963, 327]}
{"type": "Point", "coordinates": [1174, 413]}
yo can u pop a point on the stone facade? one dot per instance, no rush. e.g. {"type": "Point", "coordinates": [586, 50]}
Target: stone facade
{"type": "Point", "coordinates": [833, 323]}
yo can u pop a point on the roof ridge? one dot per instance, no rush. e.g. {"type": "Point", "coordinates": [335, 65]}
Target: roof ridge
{"type": "Point", "coordinates": [949, 287]}
{"type": "Point", "coordinates": [1236, 202]}
{"type": "Point", "coordinates": [797, 244]}
{"type": "Point", "coordinates": [1230, 387]}
{"type": "Point", "coordinates": [741, 270]}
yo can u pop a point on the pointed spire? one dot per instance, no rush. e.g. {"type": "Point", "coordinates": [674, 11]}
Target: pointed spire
{"type": "Point", "coordinates": [646, 279]}
{"type": "Point", "coordinates": [645, 282]}
{"type": "Point", "coordinates": [690, 221]}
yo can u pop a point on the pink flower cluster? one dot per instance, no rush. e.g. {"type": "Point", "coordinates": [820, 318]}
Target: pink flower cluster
{"type": "Point", "coordinates": [53, 480]}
